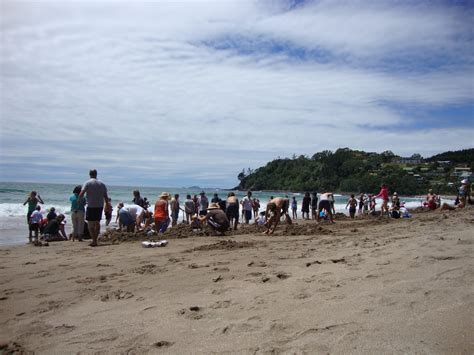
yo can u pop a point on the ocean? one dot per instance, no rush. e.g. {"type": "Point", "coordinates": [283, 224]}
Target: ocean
{"type": "Point", "coordinates": [14, 230]}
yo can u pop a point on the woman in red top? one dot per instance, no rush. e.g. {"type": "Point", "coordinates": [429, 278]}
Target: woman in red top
{"type": "Point", "coordinates": [161, 214]}
{"type": "Point", "coordinates": [384, 195]}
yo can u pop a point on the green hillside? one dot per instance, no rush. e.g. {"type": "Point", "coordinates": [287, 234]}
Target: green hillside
{"type": "Point", "coordinates": [349, 170]}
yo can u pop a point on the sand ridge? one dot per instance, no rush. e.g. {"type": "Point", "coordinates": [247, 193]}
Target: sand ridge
{"type": "Point", "coordinates": [363, 286]}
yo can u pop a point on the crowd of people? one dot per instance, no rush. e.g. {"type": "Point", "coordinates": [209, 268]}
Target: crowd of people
{"type": "Point", "coordinates": [90, 201]}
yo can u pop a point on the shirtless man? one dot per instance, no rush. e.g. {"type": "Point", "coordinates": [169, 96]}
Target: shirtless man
{"type": "Point", "coordinates": [275, 208]}
{"type": "Point", "coordinates": [325, 204]}
{"type": "Point", "coordinates": [232, 209]}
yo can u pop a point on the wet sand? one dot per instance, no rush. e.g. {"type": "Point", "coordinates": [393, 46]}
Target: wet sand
{"type": "Point", "coordinates": [364, 286]}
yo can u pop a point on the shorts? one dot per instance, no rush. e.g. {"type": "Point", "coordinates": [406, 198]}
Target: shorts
{"type": "Point", "coordinates": [248, 215]}
{"type": "Point", "coordinates": [324, 205]}
{"type": "Point", "coordinates": [161, 225]}
{"type": "Point", "coordinates": [232, 211]}
{"type": "Point", "coordinates": [108, 215]}
{"type": "Point", "coordinates": [94, 214]}
{"type": "Point", "coordinates": [284, 208]}
{"type": "Point", "coordinates": [34, 227]}
{"type": "Point", "coordinates": [305, 209]}
{"type": "Point", "coordinates": [395, 214]}
{"type": "Point", "coordinates": [126, 218]}
{"type": "Point", "coordinates": [352, 211]}
{"type": "Point", "coordinates": [175, 215]}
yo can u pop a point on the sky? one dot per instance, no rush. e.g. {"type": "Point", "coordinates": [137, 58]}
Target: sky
{"type": "Point", "coordinates": [181, 93]}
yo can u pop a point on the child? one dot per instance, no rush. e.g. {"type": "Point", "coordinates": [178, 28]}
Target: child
{"type": "Point", "coordinates": [372, 205]}
{"type": "Point", "coordinates": [32, 201]}
{"type": "Point", "coordinates": [108, 211]}
{"type": "Point", "coordinates": [195, 223]}
{"type": "Point", "coordinates": [261, 220]}
{"type": "Point", "coordinates": [353, 204]}
{"type": "Point", "coordinates": [51, 214]}
{"type": "Point", "coordinates": [35, 220]}
{"type": "Point", "coordinates": [294, 207]}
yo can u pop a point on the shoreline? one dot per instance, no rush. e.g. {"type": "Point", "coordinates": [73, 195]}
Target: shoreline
{"type": "Point", "coordinates": [17, 234]}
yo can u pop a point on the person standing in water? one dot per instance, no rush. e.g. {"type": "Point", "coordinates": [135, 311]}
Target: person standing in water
{"type": "Point", "coordinates": [33, 199]}
{"type": "Point", "coordinates": [305, 205]}
{"type": "Point", "coordinates": [294, 208]}
{"type": "Point", "coordinates": [352, 203]}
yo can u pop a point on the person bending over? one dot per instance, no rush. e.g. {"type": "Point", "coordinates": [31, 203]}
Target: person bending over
{"type": "Point", "coordinates": [275, 208]}
{"type": "Point", "coordinates": [216, 219]}
{"type": "Point", "coordinates": [131, 216]}
{"type": "Point", "coordinates": [325, 204]}
{"type": "Point", "coordinates": [54, 230]}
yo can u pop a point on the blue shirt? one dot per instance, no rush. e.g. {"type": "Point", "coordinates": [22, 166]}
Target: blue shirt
{"type": "Point", "coordinates": [77, 204]}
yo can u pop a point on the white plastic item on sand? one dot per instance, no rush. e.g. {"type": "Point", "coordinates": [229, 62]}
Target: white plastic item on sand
{"type": "Point", "coordinates": [150, 244]}
{"type": "Point", "coordinates": [161, 243]}
{"type": "Point", "coordinates": [147, 244]}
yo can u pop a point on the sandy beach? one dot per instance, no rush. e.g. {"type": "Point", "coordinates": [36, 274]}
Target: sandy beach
{"type": "Point", "coordinates": [368, 286]}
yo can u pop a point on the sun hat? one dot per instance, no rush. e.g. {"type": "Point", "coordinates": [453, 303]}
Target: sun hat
{"type": "Point", "coordinates": [213, 206]}
{"type": "Point", "coordinates": [464, 181]}
{"type": "Point", "coordinates": [165, 194]}
{"type": "Point", "coordinates": [395, 194]}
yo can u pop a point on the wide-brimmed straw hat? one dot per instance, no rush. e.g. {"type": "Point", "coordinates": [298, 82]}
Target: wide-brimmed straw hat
{"type": "Point", "coordinates": [213, 206]}
{"type": "Point", "coordinates": [165, 195]}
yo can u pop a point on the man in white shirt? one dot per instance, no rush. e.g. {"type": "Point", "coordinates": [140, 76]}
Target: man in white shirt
{"type": "Point", "coordinates": [130, 216]}
{"type": "Point", "coordinates": [247, 206]}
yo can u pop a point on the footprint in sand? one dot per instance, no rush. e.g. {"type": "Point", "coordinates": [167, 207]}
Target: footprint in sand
{"type": "Point", "coordinates": [221, 304]}
{"type": "Point", "coordinates": [163, 344]}
{"type": "Point", "coordinates": [148, 269]}
{"type": "Point", "coordinates": [282, 275]}
{"type": "Point", "coordinates": [47, 306]}
{"type": "Point", "coordinates": [249, 325]}
{"type": "Point", "coordinates": [197, 266]}
{"type": "Point", "coordinates": [193, 312]}
{"type": "Point", "coordinates": [116, 295]}
{"type": "Point", "coordinates": [59, 330]}
{"type": "Point", "coordinates": [257, 264]}
{"type": "Point", "coordinates": [219, 291]}
{"type": "Point", "coordinates": [301, 296]}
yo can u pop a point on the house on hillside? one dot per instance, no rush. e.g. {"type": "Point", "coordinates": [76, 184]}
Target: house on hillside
{"type": "Point", "coordinates": [409, 161]}
{"type": "Point", "coordinates": [462, 172]}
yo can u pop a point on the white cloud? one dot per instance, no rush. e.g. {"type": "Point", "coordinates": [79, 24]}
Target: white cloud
{"type": "Point", "coordinates": [133, 87]}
